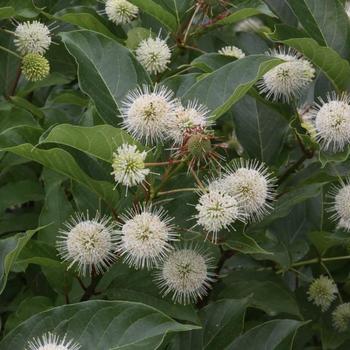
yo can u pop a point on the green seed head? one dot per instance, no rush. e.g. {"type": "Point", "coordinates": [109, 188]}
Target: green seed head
{"type": "Point", "coordinates": [199, 145]}
{"type": "Point", "coordinates": [35, 67]}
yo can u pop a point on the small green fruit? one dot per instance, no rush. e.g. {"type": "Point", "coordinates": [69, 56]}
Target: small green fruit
{"type": "Point", "coordinates": [35, 67]}
{"type": "Point", "coordinates": [199, 145]}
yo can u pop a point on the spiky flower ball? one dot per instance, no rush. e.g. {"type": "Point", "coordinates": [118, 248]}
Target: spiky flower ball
{"type": "Point", "coordinates": [51, 341]}
{"type": "Point", "coordinates": [186, 274]}
{"type": "Point", "coordinates": [331, 119]}
{"type": "Point", "coordinates": [322, 292]}
{"type": "Point", "coordinates": [32, 37]}
{"type": "Point", "coordinates": [154, 54]}
{"type": "Point", "coordinates": [251, 182]}
{"type": "Point", "coordinates": [340, 201]}
{"type": "Point", "coordinates": [217, 210]}
{"type": "Point", "coordinates": [341, 317]}
{"type": "Point", "coordinates": [287, 80]}
{"type": "Point", "coordinates": [121, 11]}
{"type": "Point", "coordinates": [129, 165]}
{"type": "Point", "coordinates": [88, 244]}
{"type": "Point", "coordinates": [252, 24]}
{"type": "Point", "coordinates": [232, 51]}
{"type": "Point", "coordinates": [35, 67]}
{"type": "Point", "coordinates": [146, 113]}
{"type": "Point", "coordinates": [145, 236]}
{"type": "Point", "coordinates": [185, 119]}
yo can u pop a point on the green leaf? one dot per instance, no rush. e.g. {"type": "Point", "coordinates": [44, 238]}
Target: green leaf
{"type": "Point", "coordinates": [158, 12]}
{"type": "Point", "coordinates": [225, 86]}
{"type": "Point", "coordinates": [107, 71]}
{"type": "Point", "coordinates": [325, 240]}
{"type": "Point", "coordinates": [7, 12]}
{"type": "Point", "coordinates": [10, 248]}
{"type": "Point", "coordinates": [100, 325]}
{"type": "Point", "coordinates": [336, 69]}
{"type": "Point", "coordinates": [85, 18]}
{"type": "Point", "coordinates": [19, 192]}
{"type": "Point", "coordinates": [61, 161]}
{"type": "Point", "coordinates": [325, 21]}
{"type": "Point", "coordinates": [267, 292]}
{"type": "Point", "coordinates": [99, 141]}
{"type": "Point", "coordinates": [253, 120]}
{"type": "Point", "coordinates": [271, 335]}
{"type": "Point", "coordinates": [56, 208]}
{"type": "Point", "coordinates": [223, 321]}
{"type": "Point", "coordinates": [211, 61]}
{"type": "Point", "coordinates": [287, 201]}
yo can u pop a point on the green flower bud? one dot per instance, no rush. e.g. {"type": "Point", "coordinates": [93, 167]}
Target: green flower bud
{"type": "Point", "coordinates": [341, 317]}
{"type": "Point", "coordinates": [322, 292]}
{"type": "Point", "coordinates": [199, 145]}
{"type": "Point", "coordinates": [35, 67]}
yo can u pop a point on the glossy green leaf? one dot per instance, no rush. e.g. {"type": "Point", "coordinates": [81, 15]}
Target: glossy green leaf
{"type": "Point", "coordinates": [107, 71]}
{"type": "Point", "coordinates": [99, 141]}
{"type": "Point", "coordinates": [10, 248]}
{"type": "Point", "coordinates": [272, 335]}
{"type": "Point", "coordinates": [158, 12]}
{"type": "Point", "coordinates": [100, 325]}
{"type": "Point", "coordinates": [224, 87]}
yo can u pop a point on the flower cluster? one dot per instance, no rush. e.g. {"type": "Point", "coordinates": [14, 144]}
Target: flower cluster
{"type": "Point", "coordinates": [32, 40]}
{"type": "Point", "coordinates": [244, 193]}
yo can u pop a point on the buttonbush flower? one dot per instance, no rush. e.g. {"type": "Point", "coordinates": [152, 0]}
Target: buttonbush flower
{"type": "Point", "coordinates": [121, 11]}
{"type": "Point", "coordinates": [128, 165]}
{"type": "Point", "coordinates": [186, 273]}
{"type": "Point", "coordinates": [88, 244]}
{"type": "Point", "coordinates": [340, 204]}
{"type": "Point", "coordinates": [32, 37]}
{"type": "Point", "coordinates": [185, 119]}
{"type": "Point", "coordinates": [251, 182]}
{"type": "Point", "coordinates": [322, 292]}
{"type": "Point", "coordinates": [154, 54]}
{"type": "Point", "coordinates": [341, 317]}
{"type": "Point", "coordinates": [287, 80]}
{"type": "Point", "coordinates": [217, 210]}
{"type": "Point", "coordinates": [331, 119]}
{"type": "Point", "coordinates": [146, 114]}
{"type": "Point", "coordinates": [145, 236]}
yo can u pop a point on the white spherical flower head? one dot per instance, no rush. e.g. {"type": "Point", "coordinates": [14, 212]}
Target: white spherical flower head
{"type": "Point", "coordinates": [32, 37]}
{"type": "Point", "coordinates": [186, 274]}
{"type": "Point", "coordinates": [232, 51]}
{"type": "Point", "coordinates": [186, 119]}
{"type": "Point", "coordinates": [129, 165]}
{"type": "Point", "coordinates": [154, 54]}
{"type": "Point", "coordinates": [145, 237]}
{"type": "Point", "coordinates": [89, 244]}
{"type": "Point", "coordinates": [331, 119]}
{"type": "Point", "coordinates": [216, 211]}
{"type": "Point", "coordinates": [287, 80]}
{"type": "Point", "coordinates": [341, 317]}
{"type": "Point", "coordinates": [50, 341]}
{"type": "Point", "coordinates": [146, 114]}
{"type": "Point", "coordinates": [340, 205]}
{"type": "Point", "coordinates": [322, 292]}
{"type": "Point", "coordinates": [121, 11]}
{"type": "Point", "coordinates": [253, 185]}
